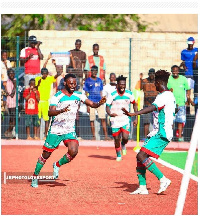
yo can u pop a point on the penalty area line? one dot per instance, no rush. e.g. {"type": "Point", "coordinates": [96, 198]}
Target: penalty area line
{"type": "Point", "coordinates": [174, 168]}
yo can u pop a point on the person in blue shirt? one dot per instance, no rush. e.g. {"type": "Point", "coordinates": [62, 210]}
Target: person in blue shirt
{"type": "Point", "coordinates": [187, 56]}
{"type": "Point", "coordinates": [93, 88]}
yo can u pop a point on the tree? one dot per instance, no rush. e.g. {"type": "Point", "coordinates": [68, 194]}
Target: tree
{"type": "Point", "coordinates": [17, 24]}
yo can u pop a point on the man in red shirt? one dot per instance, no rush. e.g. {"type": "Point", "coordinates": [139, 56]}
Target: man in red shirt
{"type": "Point", "coordinates": [32, 97]}
{"type": "Point", "coordinates": [30, 58]}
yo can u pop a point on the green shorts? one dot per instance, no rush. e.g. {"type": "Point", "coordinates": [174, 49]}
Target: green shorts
{"type": "Point", "coordinates": [52, 141]}
{"type": "Point", "coordinates": [117, 131]}
{"type": "Point", "coordinates": [32, 119]}
{"type": "Point", "coordinates": [155, 145]}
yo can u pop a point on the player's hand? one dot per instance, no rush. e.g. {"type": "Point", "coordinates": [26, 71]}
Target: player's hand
{"type": "Point", "coordinates": [128, 113]}
{"type": "Point", "coordinates": [65, 109]}
{"type": "Point", "coordinates": [103, 100]}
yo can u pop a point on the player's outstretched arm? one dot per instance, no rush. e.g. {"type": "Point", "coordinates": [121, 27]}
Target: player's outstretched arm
{"type": "Point", "coordinates": [53, 112]}
{"type": "Point", "coordinates": [143, 111]}
{"type": "Point", "coordinates": [94, 104]}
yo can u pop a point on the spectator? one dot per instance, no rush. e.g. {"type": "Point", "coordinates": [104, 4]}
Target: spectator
{"type": "Point", "coordinates": [59, 71]}
{"type": "Point", "coordinates": [187, 56]}
{"type": "Point", "coordinates": [79, 58]}
{"type": "Point", "coordinates": [3, 101]}
{"type": "Point", "coordinates": [43, 84]}
{"type": "Point", "coordinates": [150, 93]}
{"type": "Point", "coordinates": [195, 72]}
{"type": "Point", "coordinates": [30, 58]}
{"type": "Point", "coordinates": [93, 87]}
{"type": "Point", "coordinates": [110, 87]}
{"type": "Point", "coordinates": [178, 84]}
{"type": "Point", "coordinates": [32, 97]}
{"type": "Point", "coordinates": [97, 60]}
{"type": "Point", "coordinates": [5, 65]}
{"type": "Point", "coordinates": [11, 101]}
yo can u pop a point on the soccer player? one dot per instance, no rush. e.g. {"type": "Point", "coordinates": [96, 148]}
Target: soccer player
{"type": "Point", "coordinates": [165, 105]}
{"type": "Point", "coordinates": [63, 109]}
{"type": "Point", "coordinates": [120, 123]}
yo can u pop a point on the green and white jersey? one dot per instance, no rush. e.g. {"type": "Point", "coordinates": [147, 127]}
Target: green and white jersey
{"type": "Point", "coordinates": [116, 102]}
{"type": "Point", "coordinates": [64, 123]}
{"type": "Point", "coordinates": [165, 103]}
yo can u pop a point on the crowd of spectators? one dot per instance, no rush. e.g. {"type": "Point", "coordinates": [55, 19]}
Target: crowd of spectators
{"type": "Point", "coordinates": [40, 85]}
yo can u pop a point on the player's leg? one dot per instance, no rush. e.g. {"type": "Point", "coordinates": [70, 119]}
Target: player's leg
{"type": "Point", "coordinates": [116, 132]}
{"type": "Point", "coordinates": [154, 147]}
{"type": "Point", "coordinates": [70, 141]}
{"type": "Point", "coordinates": [51, 143]}
{"type": "Point", "coordinates": [125, 134]}
{"type": "Point", "coordinates": [39, 165]}
{"type": "Point", "coordinates": [141, 174]}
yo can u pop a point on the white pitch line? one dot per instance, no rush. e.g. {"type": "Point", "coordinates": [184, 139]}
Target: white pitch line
{"type": "Point", "coordinates": [174, 168]}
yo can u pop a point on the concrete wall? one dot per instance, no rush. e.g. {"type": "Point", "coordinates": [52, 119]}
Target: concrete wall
{"type": "Point", "coordinates": [157, 50]}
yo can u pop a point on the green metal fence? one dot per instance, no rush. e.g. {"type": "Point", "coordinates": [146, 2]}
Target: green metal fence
{"type": "Point", "coordinates": [127, 56]}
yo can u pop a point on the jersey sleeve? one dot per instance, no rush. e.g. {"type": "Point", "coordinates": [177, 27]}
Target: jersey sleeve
{"type": "Point", "coordinates": [53, 101]}
{"type": "Point", "coordinates": [159, 102]}
{"type": "Point", "coordinates": [83, 97]}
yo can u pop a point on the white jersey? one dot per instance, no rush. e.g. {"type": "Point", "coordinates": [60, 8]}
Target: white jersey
{"type": "Point", "coordinates": [64, 123]}
{"type": "Point", "coordinates": [108, 89]}
{"type": "Point", "coordinates": [116, 102]}
{"type": "Point", "coordinates": [165, 103]}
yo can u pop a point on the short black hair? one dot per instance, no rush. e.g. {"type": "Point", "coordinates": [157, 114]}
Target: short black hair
{"type": "Point", "coordinates": [121, 78]}
{"type": "Point", "coordinates": [43, 70]}
{"type": "Point", "coordinates": [95, 45]}
{"type": "Point", "coordinates": [162, 75]}
{"type": "Point", "coordinates": [67, 76]}
{"type": "Point", "coordinates": [94, 67]}
{"type": "Point", "coordinates": [32, 79]}
{"type": "Point", "coordinates": [10, 70]}
{"type": "Point", "coordinates": [78, 40]}
{"type": "Point", "coordinates": [174, 67]}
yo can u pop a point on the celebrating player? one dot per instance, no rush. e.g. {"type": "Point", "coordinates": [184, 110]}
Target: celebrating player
{"type": "Point", "coordinates": [120, 123]}
{"type": "Point", "coordinates": [63, 109]}
{"type": "Point", "coordinates": [165, 105]}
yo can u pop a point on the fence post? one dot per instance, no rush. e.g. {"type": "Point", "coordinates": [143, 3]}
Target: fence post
{"type": "Point", "coordinates": [130, 40]}
{"type": "Point", "coordinates": [17, 84]}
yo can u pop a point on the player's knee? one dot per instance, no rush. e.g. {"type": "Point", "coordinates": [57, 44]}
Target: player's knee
{"type": "Point", "coordinates": [46, 154]}
{"type": "Point", "coordinates": [73, 151]}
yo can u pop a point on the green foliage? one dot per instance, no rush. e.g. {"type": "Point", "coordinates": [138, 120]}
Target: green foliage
{"type": "Point", "coordinates": [17, 24]}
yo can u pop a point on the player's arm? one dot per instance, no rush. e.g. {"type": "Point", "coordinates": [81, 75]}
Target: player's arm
{"type": "Point", "coordinates": [143, 111]}
{"type": "Point", "coordinates": [94, 104]}
{"type": "Point", "coordinates": [53, 112]}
